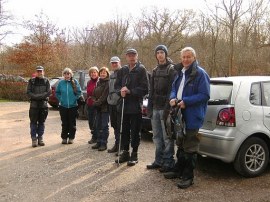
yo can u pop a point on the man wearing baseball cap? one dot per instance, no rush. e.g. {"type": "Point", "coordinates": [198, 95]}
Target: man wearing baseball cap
{"type": "Point", "coordinates": [113, 100]}
{"type": "Point", "coordinates": [132, 84]}
{"type": "Point", "coordinates": [38, 90]}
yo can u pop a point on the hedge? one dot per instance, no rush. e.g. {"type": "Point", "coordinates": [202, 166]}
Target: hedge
{"type": "Point", "coordinates": [13, 90]}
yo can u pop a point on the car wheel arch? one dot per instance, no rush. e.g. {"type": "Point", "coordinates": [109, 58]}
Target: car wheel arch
{"type": "Point", "coordinates": [259, 140]}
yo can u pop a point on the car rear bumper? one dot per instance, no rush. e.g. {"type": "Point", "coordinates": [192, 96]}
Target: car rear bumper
{"type": "Point", "coordinates": [220, 144]}
{"type": "Point", "coordinates": [146, 124]}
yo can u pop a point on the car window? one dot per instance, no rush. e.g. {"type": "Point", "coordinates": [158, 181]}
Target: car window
{"type": "Point", "coordinates": [87, 78]}
{"type": "Point", "coordinates": [220, 93]}
{"type": "Point", "coordinates": [266, 93]}
{"type": "Point", "coordinates": [255, 94]}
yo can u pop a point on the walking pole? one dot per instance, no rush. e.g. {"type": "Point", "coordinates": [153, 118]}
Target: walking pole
{"type": "Point", "coordinates": [121, 129]}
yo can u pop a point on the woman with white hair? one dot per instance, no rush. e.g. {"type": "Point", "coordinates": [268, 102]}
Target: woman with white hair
{"type": "Point", "coordinates": [68, 92]}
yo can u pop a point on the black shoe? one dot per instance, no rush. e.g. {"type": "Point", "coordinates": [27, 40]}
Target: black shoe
{"type": "Point", "coordinates": [64, 141]}
{"type": "Point", "coordinates": [153, 166]}
{"type": "Point", "coordinates": [171, 175]}
{"type": "Point", "coordinates": [92, 141]}
{"type": "Point", "coordinates": [124, 157]}
{"type": "Point", "coordinates": [102, 148]}
{"type": "Point", "coordinates": [183, 184]}
{"type": "Point", "coordinates": [113, 149]}
{"type": "Point", "coordinates": [165, 169]}
{"type": "Point", "coordinates": [133, 159]}
{"type": "Point", "coordinates": [96, 146]}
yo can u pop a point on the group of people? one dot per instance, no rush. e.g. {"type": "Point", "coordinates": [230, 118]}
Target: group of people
{"type": "Point", "coordinates": [116, 97]}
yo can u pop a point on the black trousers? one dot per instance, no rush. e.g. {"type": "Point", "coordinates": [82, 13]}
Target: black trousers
{"type": "Point", "coordinates": [187, 155]}
{"type": "Point", "coordinates": [37, 121]}
{"type": "Point", "coordinates": [132, 124]}
{"type": "Point", "coordinates": [68, 118]}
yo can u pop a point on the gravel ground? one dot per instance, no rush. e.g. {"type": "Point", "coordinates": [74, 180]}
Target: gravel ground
{"type": "Point", "coordinates": [75, 172]}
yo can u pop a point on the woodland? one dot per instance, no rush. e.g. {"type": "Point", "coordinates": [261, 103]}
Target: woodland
{"type": "Point", "coordinates": [231, 38]}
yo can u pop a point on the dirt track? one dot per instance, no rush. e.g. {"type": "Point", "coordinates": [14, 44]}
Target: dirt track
{"type": "Point", "coordinates": [75, 172]}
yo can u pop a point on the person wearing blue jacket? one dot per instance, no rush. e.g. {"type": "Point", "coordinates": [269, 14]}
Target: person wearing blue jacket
{"type": "Point", "coordinates": [68, 92]}
{"type": "Point", "coordinates": [190, 92]}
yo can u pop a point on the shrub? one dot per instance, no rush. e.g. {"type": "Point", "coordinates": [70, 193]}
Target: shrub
{"type": "Point", "coordinates": [13, 90]}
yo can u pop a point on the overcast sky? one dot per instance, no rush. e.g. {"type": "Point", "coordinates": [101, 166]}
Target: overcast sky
{"type": "Point", "coordinates": [83, 13]}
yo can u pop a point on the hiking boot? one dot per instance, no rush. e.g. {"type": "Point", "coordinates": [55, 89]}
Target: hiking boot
{"type": "Point", "coordinates": [64, 141]}
{"type": "Point", "coordinates": [165, 169]}
{"type": "Point", "coordinates": [113, 149]}
{"type": "Point", "coordinates": [153, 166]}
{"type": "Point", "coordinates": [124, 157]}
{"type": "Point", "coordinates": [102, 148]}
{"type": "Point", "coordinates": [133, 159]}
{"type": "Point", "coordinates": [96, 146]}
{"type": "Point", "coordinates": [40, 141]}
{"type": "Point", "coordinates": [34, 142]}
{"type": "Point", "coordinates": [70, 141]}
{"type": "Point", "coordinates": [183, 184]}
{"type": "Point", "coordinates": [171, 175]}
{"type": "Point", "coordinates": [92, 141]}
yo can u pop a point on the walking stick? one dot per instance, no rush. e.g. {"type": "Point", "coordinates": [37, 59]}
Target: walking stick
{"type": "Point", "coordinates": [121, 129]}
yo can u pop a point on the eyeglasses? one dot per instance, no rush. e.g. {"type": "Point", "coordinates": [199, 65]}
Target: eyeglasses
{"type": "Point", "coordinates": [114, 63]}
{"type": "Point", "coordinates": [67, 73]}
{"type": "Point", "coordinates": [39, 70]}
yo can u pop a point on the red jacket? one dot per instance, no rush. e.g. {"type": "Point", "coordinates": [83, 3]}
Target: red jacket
{"type": "Point", "coordinates": [90, 88]}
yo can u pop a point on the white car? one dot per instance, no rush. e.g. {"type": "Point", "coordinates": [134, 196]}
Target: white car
{"type": "Point", "coordinates": [237, 123]}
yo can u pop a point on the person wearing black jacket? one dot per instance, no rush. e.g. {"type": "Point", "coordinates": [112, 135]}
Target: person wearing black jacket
{"type": "Point", "coordinates": [132, 84]}
{"type": "Point", "coordinates": [158, 105]}
{"type": "Point", "coordinates": [38, 90]}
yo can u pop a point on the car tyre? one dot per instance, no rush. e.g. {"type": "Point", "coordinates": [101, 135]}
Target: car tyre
{"type": "Point", "coordinates": [252, 157]}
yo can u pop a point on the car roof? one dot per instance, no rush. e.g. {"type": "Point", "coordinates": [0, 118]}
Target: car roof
{"type": "Point", "coordinates": [242, 78]}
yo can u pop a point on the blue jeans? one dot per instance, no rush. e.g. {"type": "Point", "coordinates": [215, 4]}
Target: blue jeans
{"type": "Point", "coordinates": [164, 145]}
{"type": "Point", "coordinates": [102, 127]}
{"type": "Point", "coordinates": [92, 121]}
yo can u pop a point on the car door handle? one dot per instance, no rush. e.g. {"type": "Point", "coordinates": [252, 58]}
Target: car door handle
{"type": "Point", "coordinates": [268, 115]}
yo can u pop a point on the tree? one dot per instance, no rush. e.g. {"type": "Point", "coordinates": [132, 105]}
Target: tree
{"type": "Point", "coordinates": [5, 20]}
{"type": "Point", "coordinates": [45, 46]}
{"type": "Point", "coordinates": [162, 27]}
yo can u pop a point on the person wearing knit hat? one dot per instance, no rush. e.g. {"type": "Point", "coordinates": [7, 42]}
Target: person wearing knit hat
{"type": "Point", "coordinates": [163, 48]}
{"type": "Point", "coordinates": [113, 100]}
{"type": "Point", "coordinates": [91, 84]}
{"type": "Point", "coordinates": [158, 106]}
{"type": "Point", "coordinates": [99, 97]}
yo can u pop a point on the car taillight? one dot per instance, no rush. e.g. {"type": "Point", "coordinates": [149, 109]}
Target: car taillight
{"type": "Point", "coordinates": [144, 110]}
{"type": "Point", "coordinates": [226, 117]}
{"type": "Point", "coordinates": [53, 90]}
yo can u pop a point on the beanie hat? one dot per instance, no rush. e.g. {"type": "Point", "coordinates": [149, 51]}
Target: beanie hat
{"type": "Point", "coordinates": [163, 48]}
{"type": "Point", "coordinates": [91, 69]}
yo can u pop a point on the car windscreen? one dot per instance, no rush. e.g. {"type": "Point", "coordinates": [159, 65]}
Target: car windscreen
{"type": "Point", "coordinates": [220, 93]}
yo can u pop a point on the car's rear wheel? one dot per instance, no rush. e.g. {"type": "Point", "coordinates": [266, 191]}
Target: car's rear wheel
{"type": "Point", "coordinates": [252, 157]}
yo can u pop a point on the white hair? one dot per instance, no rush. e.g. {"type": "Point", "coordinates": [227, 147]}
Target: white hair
{"type": "Point", "coordinates": [188, 49]}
